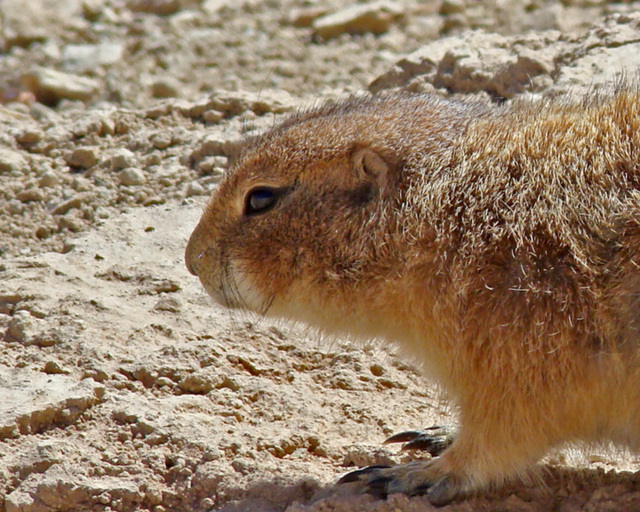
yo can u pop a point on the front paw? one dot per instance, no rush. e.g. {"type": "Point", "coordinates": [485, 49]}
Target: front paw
{"type": "Point", "coordinates": [414, 478]}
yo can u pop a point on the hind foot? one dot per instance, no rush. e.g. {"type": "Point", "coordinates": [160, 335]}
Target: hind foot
{"type": "Point", "coordinates": [415, 478]}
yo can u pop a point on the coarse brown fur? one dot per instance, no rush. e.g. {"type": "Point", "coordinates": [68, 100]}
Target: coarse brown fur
{"type": "Point", "coordinates": [500, 246]}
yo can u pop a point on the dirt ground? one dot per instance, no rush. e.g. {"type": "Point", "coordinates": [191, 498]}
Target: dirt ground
{"type": "Point", "coordinates": [122, 387]}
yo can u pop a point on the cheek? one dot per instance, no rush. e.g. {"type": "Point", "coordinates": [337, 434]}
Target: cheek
{"type": "Point", "coordinates": [268, 266]}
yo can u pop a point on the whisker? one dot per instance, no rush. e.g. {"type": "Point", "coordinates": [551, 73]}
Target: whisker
{"type": "Point", "coordinates": [228, 291]}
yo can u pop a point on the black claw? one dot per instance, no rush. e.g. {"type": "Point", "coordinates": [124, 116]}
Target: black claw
{"type": "Point", "coordinates": [433, 440]}
{"type": "Point", "coordinates": [403, 437]}
{"type": "Point", "coordinates": [354, 476]}
{"type": "Point", "coordinates": [433, 445]}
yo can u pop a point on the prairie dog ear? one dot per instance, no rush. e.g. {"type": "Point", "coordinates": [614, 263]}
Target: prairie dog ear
{"type": "Point", "coordinates": [371, 165]}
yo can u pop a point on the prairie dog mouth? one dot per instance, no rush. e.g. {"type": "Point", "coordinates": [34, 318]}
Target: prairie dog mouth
{"type": "Point", "coordinates": [236, 290]}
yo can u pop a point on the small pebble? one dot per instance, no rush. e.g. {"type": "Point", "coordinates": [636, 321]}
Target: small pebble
{"type": "Point", "coordinates": [54, 368]}
{"type": "Point", "coordinates": [212, 116]}
{"type": "Point", "coordinates": [83, 157]}
{"type": "Point", "coordinates": [195, 189]}
{"type": "Point", "coordinates": [132, 176]}
{"type": "Point", "coordinates": [122, 158]}
{"type": "Point", "coordinates": [48, 180]}
{"type": "Point", "coordinates": [31, 195]}
{"type": "Point", "coordinates": [164, 381]}
{"type": "Point", "coordinates": [161, 140]}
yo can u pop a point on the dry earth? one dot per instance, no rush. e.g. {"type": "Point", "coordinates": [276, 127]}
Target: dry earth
{"type": "Point", "coordinates": [121, 386]}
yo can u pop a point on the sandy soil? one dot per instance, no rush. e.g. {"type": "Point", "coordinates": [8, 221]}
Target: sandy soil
{"type": "Point", "coordinates": [122, 386]}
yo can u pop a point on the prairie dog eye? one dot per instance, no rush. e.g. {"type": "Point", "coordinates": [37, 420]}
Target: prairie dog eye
{"type": "Point", "coordinates": [260, 200]}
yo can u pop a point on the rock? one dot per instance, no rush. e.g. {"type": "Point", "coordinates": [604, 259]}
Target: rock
{"type": "Point", "coordinates": [54, 368]}
{"type": "Point", "coordinates": [122, 158]}
{"type": "Point", "coordinates": [29, 136]}
{"type": "Point", "coordinates": [79, 58]}
{"type": "Point", "coordinates": [37, 20]}
{"type": "Point", "coordinates": [166, 87]}
{"type": "Point", "coordinates": [217, 144]}
{"type": "Point", "coordinates": [73, 202]}
{"type": "Point", "coordinates": [83, 157]}
{"type": "Point", "coordinates": [453, 22]}
{"type": "Point", "coordinates": [48, 180]}
{"type": "Point", "coordinates": [478, 61]}
{"type": "Point", "coordinates": [25, 328]}
{"type": "Point", "coordinates": [61, 491]}
{"type": "Point", "coordinates": [234, 103]}
{"type": "Point", "coordinates": [131, 176]}
{"type": "Point", "coordinates": [161, 139]}
{"type": "Point", "coordinates": [452, 7]}
{"type": "Point", "coordinates": [12, 161]}
{"type": "Point", "coordinates": [196, 384]}
{"type": "Point", "coordinates": [8, 302]}
{"type": "Point", "coordinates": [374, 17]}
{"type": "Point", "coordinates": [14, 207]}
{"type": "Point", "coordinates": [31, 195]}
{"type": "Point", "coordinates": [212, 116]}
{"type": "Point", "coordinates": [507, 66]}
{"type": "Point", "coordinates": [195, 189]}
{"type": "Point", "coordinates": [170, 304]}
{"type": "Point", "coordinates": [159, 7]}
{"type": "Point", "coordinates": [608, 54]}
{"type": "Point", "coordinates": [305, 16]}
{"type": "Point", "coordinates": [163, 381]}
{"type": "Point", "coordinates": [34, 401]}
{"type": "Point", "coordinates": [212, 165]}
{"type": "Point", "coordinates": [213, 6]}
{"type": "Point", "coordinates": [50, 86]}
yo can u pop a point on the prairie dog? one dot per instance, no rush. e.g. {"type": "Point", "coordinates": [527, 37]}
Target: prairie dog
{"type": "Point", "coordinates": [500, 246]}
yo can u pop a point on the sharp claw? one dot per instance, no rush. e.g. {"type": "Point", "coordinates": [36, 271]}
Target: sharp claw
{"type": "Point", "coordinates": [403, 437]}
{"type": "Point", "coordinates": [433, 440]}
{"type": "Point", "coordinates": [422, 443]}
{"type": "Point", "coordinates": [431, 445]}
{"type": "Point", "coordinates": [354, 476]}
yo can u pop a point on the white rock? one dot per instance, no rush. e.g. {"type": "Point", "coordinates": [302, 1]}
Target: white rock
{"type": "Point", "coordinates": [122, 158]}
{"type": "Point", "coordinates": [51, 86]}
{"type": "Point", "coordinates": [132, 176]}
{"type": "Point", "coordinates": [33, 401]}
{"type": "Point", "coordinates": [24, 327]}
{"type": "Point", "coordinates": [12, 161]}
{"type": "Point", "coordinates": [84, 57]}
{"type": "Point", "coordinates": [48, 180]}
{"type": "Point", "coordinates": [375, 17]}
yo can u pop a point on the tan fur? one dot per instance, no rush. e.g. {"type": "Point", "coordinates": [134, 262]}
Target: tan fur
{"type": "Point", "coordinates": [500, 246]}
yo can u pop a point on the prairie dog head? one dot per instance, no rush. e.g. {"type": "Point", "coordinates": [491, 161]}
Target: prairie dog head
{"type": "Point", "coordinates": [308, 224]}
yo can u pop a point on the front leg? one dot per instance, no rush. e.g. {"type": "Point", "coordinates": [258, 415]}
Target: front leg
{"type": "Point", "coordinates": [476, 458]}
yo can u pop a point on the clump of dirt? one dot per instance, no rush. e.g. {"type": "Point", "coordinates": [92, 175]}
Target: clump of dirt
{"type": "Point", "coordinates": [124, 388]}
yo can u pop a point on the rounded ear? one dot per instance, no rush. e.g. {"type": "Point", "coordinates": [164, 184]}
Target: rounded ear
{"type": "Point", "coordinates": [371, 166]}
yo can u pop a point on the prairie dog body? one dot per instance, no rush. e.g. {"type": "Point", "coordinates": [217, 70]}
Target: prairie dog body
{"type": "Point", "coordinates": [499, 246]}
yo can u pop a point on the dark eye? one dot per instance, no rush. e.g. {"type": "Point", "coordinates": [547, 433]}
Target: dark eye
{"type": "Point", "coordinates": [260, 200]}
